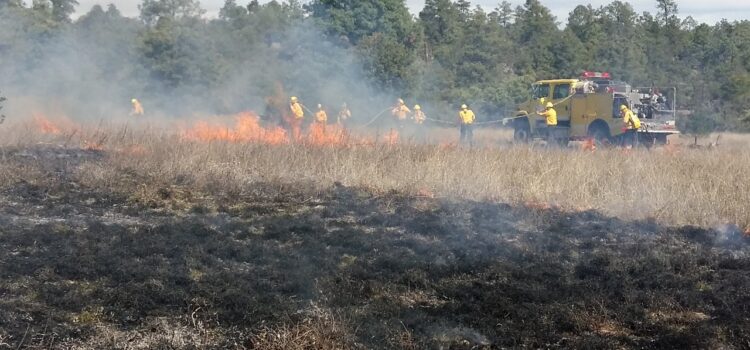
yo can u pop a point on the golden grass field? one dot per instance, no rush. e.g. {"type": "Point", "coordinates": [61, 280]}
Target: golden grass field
{"type": "Point", "coordinates": [677, 184]}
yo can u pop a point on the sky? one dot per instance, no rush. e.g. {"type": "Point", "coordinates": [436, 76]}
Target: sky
{"type": "Point", "coordinates": [701, 10]}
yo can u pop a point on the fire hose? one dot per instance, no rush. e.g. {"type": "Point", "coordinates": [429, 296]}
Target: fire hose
{"type": "Point", "coordinates": [454, 123]}
{"type": "Point", "coordinates": [376, 117]}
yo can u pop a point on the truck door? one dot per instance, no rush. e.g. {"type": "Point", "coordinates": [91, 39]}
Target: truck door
{"type": "Point", "coordinates": [559, 93]}
{"type": "Point", "coordinates": [579, 120]}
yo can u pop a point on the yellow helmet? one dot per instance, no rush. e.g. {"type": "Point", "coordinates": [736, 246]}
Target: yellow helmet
{"type": "Point", "coordinates": [417, 107]}
{"type": "Point", "coordinates": [133, 101]}
{"type": "Point", "coordinates": [542, 99]}
{"type": "Point", "coordinates": [623, 107]}
{"type": "Point", "coordinates": [400, 101]}
{"type": "Point", "coordinates": [293, 99]}
{"type": "Point", "coordinates": [320, 106]}
{"type": "Point", "coordinates": [464, 107]}
{"type": "Point", "coordinates": [549, 105]}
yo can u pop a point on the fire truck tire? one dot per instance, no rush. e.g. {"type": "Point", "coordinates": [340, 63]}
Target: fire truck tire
{"type": "Point", "coordinates": [521, 132]}
{"type": "Point", "coordinates": [599, 133]}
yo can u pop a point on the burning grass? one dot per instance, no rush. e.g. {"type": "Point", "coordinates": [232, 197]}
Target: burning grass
{"type": "Point", "coordinates": [674, 185]}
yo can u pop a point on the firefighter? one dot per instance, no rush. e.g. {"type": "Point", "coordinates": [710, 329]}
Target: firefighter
{"type": "Point", "coordinates": [631, 126]}
{"type": "Point", "coordinates": [466, 120]}
{"type": "Point", "coordinates": [137, 107]}
{"type": "Point", "coordinates": [320, 116]}
{"type": "Point", "coordinates": [298, 114]}
{"type": "Point", "coordinates": [321, 119]}
{"type": "Point", "coordinates": [551, 121]}
{"type": "Point", "coordinates": [419, 116]}
{"type": "Point", "coordinates": [400, 112]}
{"type": "Point", "coordinates": [344, 115]}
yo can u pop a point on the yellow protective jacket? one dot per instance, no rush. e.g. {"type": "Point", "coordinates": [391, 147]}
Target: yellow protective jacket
{"type": "Point", "coordinates": [419, 117]}
{"type": "Point", "coordinates": [297, 110]}
{"type": "Point", "coordinates": [551, 115]}
{"type": "Point", "coordinates": [321, 117]}
{"type": "Point", "coordinates": [466, 116]}
{"type": "Point", "coordinates": [137, 108]}
{"type": "Point", "coordinates": [631, 120]}
{"type": "Point", "coordinates": [400, 112]}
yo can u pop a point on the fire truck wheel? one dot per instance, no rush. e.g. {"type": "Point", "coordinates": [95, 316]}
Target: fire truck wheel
{"type": "Point", "coordinates": [521, 131]}
{"type": "Point", "coordinates": [600, 134]}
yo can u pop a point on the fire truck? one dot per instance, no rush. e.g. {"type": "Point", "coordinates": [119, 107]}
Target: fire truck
{"type": "Point", "coordinates": [589, 108]}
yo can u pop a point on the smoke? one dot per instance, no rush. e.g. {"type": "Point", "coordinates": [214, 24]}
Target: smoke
{"type": "Point", "coordinates": [90, 70]}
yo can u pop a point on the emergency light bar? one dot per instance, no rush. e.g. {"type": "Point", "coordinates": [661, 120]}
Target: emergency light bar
{"type": "Point", "coordinates": [589, 74]}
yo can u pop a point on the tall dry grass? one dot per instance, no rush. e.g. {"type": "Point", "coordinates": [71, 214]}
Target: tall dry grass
{"type": "Point", "coordinates": [674, 185]}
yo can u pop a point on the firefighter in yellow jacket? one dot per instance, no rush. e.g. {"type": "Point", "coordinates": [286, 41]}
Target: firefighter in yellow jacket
{"type": "Point", "coordinates": [297, 115]}
{"type": "Point", "coordinates": [466, 120]}
{"type": "Point", "coordinates": [550, 115]}
{"type": "Point", "coordinates": [137, 107]}
{"type": "Point", "coordinates": [321, 116]}
{"type": "Point", "coordinates": [419, 116]}
{"type": "Point", "coordinates": [400, 112]}
{"type": "Point", "coordinates": [631, 126]}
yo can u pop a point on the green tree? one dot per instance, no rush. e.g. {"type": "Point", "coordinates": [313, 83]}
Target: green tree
{"type": "Point", "coordinates": [357, 19]}
{"type": "Point", "coordinates": [155, 10]}
{"type": "Point", "coordinates": [62, 9]}
{"type": "Point", "coordinates": [535, 31]}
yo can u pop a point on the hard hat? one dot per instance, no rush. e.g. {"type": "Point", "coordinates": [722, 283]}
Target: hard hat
{"type": "Point", "coordinates": [542, 99]}
{"type": "Point", "coordinates": [320, 106]}
{"type": "Point", "coordinates": [464, 107]}
{"type": "Point", "coordinates": [401, 101]}
{"type": "Point", "coordinates": [623, 107]}
{"type": "Point", "coordinates": [133, 101]}
{"type": "Point", "coordinates": [417, 107]}
{"type": "Point", "coordinates": [294, 98]}
{"type": "Point", "coordinates": [549, 105]}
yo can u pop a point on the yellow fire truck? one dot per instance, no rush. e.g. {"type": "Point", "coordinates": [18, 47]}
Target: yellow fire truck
{"type": "Point", "coordinates": [589, 108]}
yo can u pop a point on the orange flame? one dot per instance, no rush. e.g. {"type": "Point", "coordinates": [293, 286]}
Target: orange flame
{"type": "Point", "coordinates": [391, 138]}
{"type": "Point", "coordinates": [247, 128]}
{"type": "Point", "coordinates": [588, 145]}
{"type": "Point", "coordinates": [92, 146]}
{"type": "Point", "coordinates": [45, 126]}
{"type": "Point", "coordinates": [321, 134]}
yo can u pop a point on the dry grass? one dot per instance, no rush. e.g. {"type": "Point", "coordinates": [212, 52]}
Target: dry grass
{"type": "Point", "coordinates": [674, 185]}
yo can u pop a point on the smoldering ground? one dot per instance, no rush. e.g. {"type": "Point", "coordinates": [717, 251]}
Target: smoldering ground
{"type": "Point", "coordinates": [168, 266]}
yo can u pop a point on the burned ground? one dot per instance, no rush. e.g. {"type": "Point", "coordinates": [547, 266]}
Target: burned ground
{"type": "Point", "coordinates": [289, 265]}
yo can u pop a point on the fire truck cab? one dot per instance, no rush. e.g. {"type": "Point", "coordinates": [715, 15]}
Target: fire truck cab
{"type": "Point", "coordinates": [589, 107]}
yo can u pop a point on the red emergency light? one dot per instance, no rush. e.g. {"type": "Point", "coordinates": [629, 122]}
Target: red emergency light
{"type": "Point", "coordinates": [590, 74]}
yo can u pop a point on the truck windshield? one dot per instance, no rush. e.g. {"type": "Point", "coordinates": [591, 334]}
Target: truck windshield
{"type": "Point", "coordinates": [539, 91]}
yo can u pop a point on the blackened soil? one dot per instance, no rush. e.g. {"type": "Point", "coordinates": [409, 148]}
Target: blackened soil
{"type": "Point", "coordinates": [399, 271]}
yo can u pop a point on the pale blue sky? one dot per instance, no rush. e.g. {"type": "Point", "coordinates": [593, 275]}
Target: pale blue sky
{"type": "Point", "coordinates": [702, 10]}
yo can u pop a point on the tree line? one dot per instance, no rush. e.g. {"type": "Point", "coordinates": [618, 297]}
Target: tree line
{"type": "Point", "coordinates": [450, 53]}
